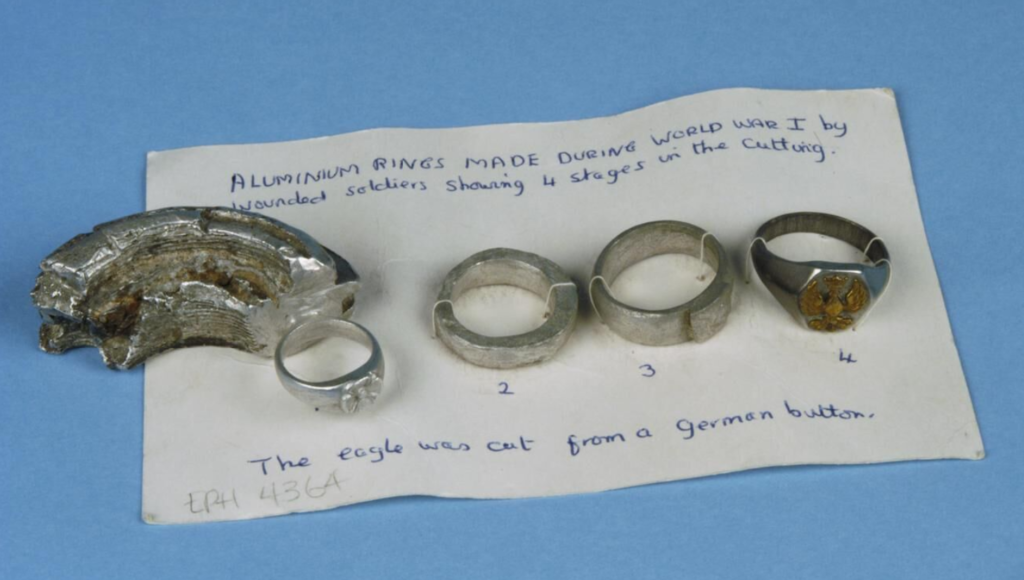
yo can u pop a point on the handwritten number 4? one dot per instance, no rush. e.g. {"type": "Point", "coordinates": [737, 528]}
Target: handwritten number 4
{"type": "Point", "coordinates": [647, 371]}
{"type": "Point", "coordinates": [504, 389]}
{"type": "Point", "coordinates": [847, 357]}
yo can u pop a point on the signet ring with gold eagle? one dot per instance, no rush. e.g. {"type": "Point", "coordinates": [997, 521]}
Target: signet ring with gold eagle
{"type": "Point", "coordinates": [823, 296]}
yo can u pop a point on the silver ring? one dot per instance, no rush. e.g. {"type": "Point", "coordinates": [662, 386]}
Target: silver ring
{"type": "Point", "coordinates": [502, 266]}
{"type": "Point", "coordinates": [347, 393]}
{"type": "Point", "coordinates": [824, 296]}
{"type": "Point", "coordinates": [697, 320]}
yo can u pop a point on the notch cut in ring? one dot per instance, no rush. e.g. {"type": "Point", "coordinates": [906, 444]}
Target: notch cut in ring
{"type": "Point", "coordinates": [698, 319]}
{"type": "Point", "coordinates": [504, 266]}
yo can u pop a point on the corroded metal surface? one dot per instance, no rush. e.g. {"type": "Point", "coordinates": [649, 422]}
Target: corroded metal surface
{"type": "Point", "coordinates": [180, 277]}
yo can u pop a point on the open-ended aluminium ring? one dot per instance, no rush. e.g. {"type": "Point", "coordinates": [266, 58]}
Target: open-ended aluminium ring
{"type": "Point", "coordinates": [823, 296]}
{"type": "Point", "coordinates": [698, 319]}
{"type": "Point", "coordinates": [503, 266]}
{"type": "Point", "coordinates": [348, 393]}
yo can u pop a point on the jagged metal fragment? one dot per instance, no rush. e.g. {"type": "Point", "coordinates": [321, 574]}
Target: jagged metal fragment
{"type": "Point", "coordinates": [183, 276]}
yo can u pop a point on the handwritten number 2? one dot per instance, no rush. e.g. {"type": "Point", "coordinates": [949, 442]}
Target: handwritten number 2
{"type": "Point", "coordinates": [504, 389]}
{"type": "Point", "coordinates": [647, 371]}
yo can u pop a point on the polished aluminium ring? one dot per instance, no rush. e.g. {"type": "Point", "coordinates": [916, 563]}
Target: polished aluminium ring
{"type": "Point", "coordinates": [503, 266]}
{"type": "Point", "coordinates": [348, 393]}
{"type": "Point", "coordinates": [823, 296]}
{"type": "Point", "coordinates": [698, 319]}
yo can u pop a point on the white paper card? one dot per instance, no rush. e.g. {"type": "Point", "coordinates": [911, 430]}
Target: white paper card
{"type": "Point", "coordinates": [224, 441]}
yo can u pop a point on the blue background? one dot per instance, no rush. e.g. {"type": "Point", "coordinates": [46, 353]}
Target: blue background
{"type": "Point", "coordinates": [87, 88]}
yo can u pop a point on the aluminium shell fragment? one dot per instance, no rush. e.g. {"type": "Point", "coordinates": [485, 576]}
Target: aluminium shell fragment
{"type": "Point", "coordinates": [187, 276]}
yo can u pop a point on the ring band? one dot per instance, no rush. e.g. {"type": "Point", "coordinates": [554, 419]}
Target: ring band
{"type": "Point", "coordinates": [821, 295]}
{"type": "Point", "coordinates": [347, 393]}
{"type": "Point", "coordinates": [503, 266]}
{"type": "Point", "coordinates": [698, 319]}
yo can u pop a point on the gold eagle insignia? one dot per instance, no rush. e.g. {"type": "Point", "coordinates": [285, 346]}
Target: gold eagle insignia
{"type": "Point", "coordinates": [827, 311]}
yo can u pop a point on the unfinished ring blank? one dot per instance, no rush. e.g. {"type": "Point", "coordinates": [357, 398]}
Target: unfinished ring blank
{"type": "Point", "coordinates": [503, 266]}
{"type": "Point", "coordinates": [697, 320]}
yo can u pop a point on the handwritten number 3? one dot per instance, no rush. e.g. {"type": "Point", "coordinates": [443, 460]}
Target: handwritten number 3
{"type": "Point", "coordinates": [504, 389]}
{"type": "Point", "coordinates": [647, 371]}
